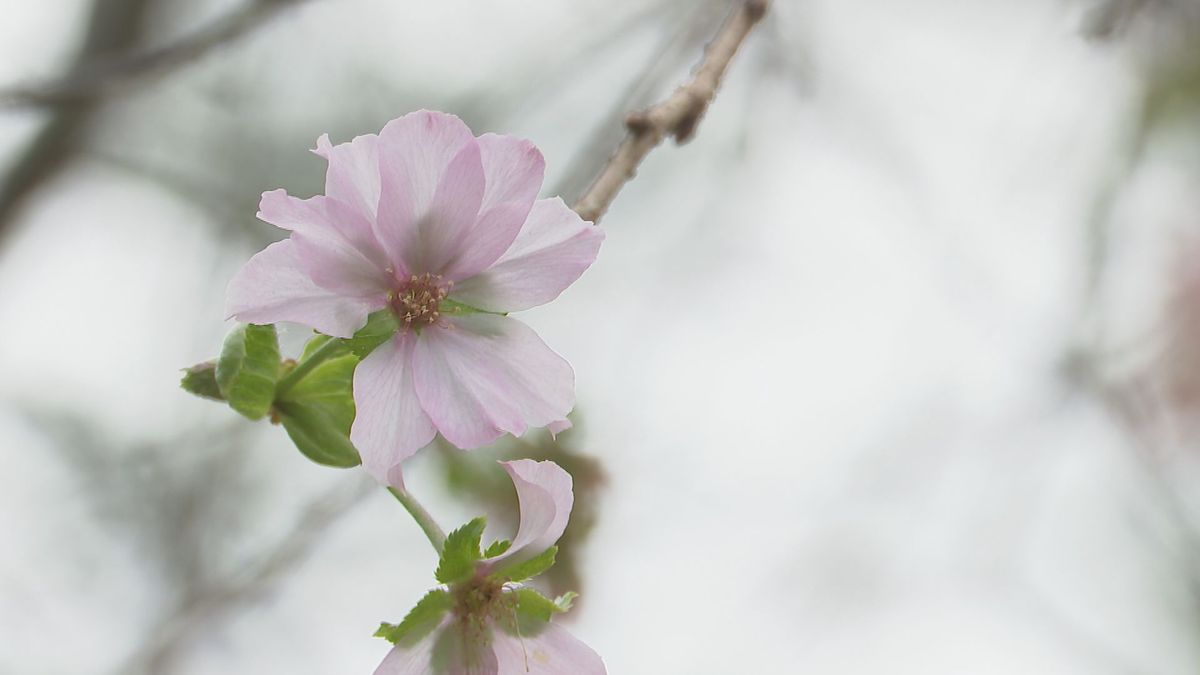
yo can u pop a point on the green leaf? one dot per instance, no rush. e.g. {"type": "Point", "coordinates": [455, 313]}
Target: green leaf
{"type": "Point", "coordinates": [461, 552]}
{"type": "Point", "coordinates": [420, 620]}
{"type": "Point", "coordinates": [499, 546]}
{"type": "Point", "coordinates": [528, 569]}
{"type": "Point", "coordinates": [318, 410]}
{"type": "Point", "coordinates": [381, 326]}
{"type": "Point", "coordinates": [565, 600]}
{"type": "Point", "coordinates": [532, 604]}
{"type": "Point", "coordinates": [248, 369]}
{"type": "Point", "coordinates": [201, 380]}
{"type": "Point", "coordinates": [314, 344]}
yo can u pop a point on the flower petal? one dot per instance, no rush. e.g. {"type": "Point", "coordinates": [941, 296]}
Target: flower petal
{"type": "Point", "coordinates": [556, 428]}
{"type": "Point", "coordinates": [551, 651]}
{"type": "Point", "coordinates": [272, 286]}
{"type": "Point", "coordinates": [482, 375]}
{"type": "Point", "coordinates": [408, 659]}
{"type": "Point", "coordinates": [336, 244]}
{"type": "Point", "coordinates": [353, 173]}
{"type": "Point", "coordinates": [445, 652]}
{"type": "Point", "coordinates": [545, 498]}
{"type": "Point", "coordinates": [389, 424]}
{"type": "Point", "coordinates": [427, 183]}
{"type": "Point", "coordinates": [446, 226]}
{"type": "Point", "coordinates": [553, 249]}
{"type": "Point", "coordinates": [513, 169]}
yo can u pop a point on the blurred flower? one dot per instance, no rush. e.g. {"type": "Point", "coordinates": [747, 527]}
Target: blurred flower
{"type": "Point", "coordinates": [445, 230]}
{"type": "Point", "coordinates": [485, 624]}
{"type": "Point", "coordinates": [1176, 371]}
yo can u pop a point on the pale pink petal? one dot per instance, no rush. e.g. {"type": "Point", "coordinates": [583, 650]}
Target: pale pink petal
{"type": "Point", "coordinates": [389, 425]}
{"type": "Point", "coordinates": [353, 173]}
{"type": "Point", "coordinates": [513, 169]}
{"type": "Point", "coordinates": [420, 189]}
{"type": "Point", "coordinates": [551, 651]}
{"type": "Point", "coordinates": [553, 249]}
{"type": "Point", "coordinates": [336, 244]}
{"type": "Point", "coordinates": [482, 375]}
{"type": "Point", "coordinates": [413, 659]}
{"type": "Point", "coordinates": [556, 428]}
{"type": "Point", "coordinates": [445, 229]}
{"type": "Point", "coordinates": [545, 499]}
{"type": "Point", "coordinates": [444, 652]}
{"type": "Point", "coordinates": [272, 286]}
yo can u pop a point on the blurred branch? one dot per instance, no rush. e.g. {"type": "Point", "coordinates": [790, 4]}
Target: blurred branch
{"type": "Point", "coordinates": [113, 27]}
{"type": "Point", "coordinates": [106, 63]}
{"type": "Point", "coordinates": [1112, 18]}
{"type": "Point", "coordinates": [163, 644]}
{"type": "Point", "coordinates": [174, 496]}
{"type": "Point", "coordinates": [97, 78]}
{"type": "Point", "coordinates": [677, 116]}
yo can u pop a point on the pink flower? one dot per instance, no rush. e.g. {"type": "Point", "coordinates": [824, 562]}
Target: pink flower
{"type": "Point", "coordinates": [480, 630]}
{"type": "Point", "coordinates": [433, 223]}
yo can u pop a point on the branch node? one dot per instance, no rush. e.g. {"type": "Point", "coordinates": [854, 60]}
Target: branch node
{"type": "Point", "coordinates": [756, 9]}
{"type": "Point", "coordinates": [638, 122]}
{"type": "Point", "coordinates": [678, 115]}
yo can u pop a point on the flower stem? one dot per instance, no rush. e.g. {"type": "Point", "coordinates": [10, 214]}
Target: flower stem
{"type": "Point", "coordinates": [426, 522]}
{"type": "Point", "coordinates": [331, 348]}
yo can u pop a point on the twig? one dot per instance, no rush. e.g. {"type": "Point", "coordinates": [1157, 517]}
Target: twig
{"type": "Point", "coordinates": [695, 22]}
{"type": "Point", "coordinates": [99, 78]}
{"type": "Point", "coordinates": [677, 116]}
{"type": "Point", "coordinates": [433, 531]}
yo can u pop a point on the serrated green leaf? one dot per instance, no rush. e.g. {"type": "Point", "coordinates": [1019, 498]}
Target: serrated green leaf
{"type": "Point", "coordinates": [318, 410]}
{"type": "Point", "coordinates": [420, 620]}
{"type": "Point", "coordinates": [565, 600]}
{"type": "Point", "coordinates": [381, 326]}
{"type": "Point", "coordinates": [248, 369]}
{"type": "Point", "coordinates": [528, 569]}
{"type": "Point", "coordinates": [497, 547]}
{"type": "Point", "coordinates": [461, 552]}
{"type": "Point", "coordinates": [532, 604]}
{"type": "Point", "coordinates": [201, 380]}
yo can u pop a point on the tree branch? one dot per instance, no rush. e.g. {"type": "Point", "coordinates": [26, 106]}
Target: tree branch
{"type": "Point", "coordinates": [109, 61]}
{"type": "Point", "coordinates": [677, 115]}
{"type": "Point", "coordinates": [113, 26]}
{"type": "Point", "coordinates": [99, 78]}
{"type": "Point", "coordinates": [694, 21]}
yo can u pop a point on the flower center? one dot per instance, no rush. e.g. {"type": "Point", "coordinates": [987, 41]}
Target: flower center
{"type": "Point", "coordinates": [417, 301]}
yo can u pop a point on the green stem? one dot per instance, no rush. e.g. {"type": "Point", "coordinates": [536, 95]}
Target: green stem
{"type": "Point", "coordinates": [331, 348]}
{"type": "Point", "coordinates": [428, 525]}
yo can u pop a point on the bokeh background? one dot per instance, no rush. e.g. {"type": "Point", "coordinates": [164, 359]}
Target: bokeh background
{"type": "Point", "coordinates": [894, 368]}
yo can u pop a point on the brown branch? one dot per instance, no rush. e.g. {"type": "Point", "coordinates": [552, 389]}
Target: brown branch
{"type": "Point", "coordinates": [695, 23]}
{"type": "Point", "coordinates": [101, 77]}
{"type": "Point", "coordinates": [677, 115]}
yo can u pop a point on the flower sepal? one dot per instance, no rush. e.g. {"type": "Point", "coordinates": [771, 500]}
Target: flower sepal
{"type": "Point", "coordinates": [311, 398]}
{"type": "Point", "coordinates": [248, 369]}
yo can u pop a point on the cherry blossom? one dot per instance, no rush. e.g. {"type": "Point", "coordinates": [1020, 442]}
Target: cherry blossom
{"type": "Point", "coordinates": [444, 229]}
